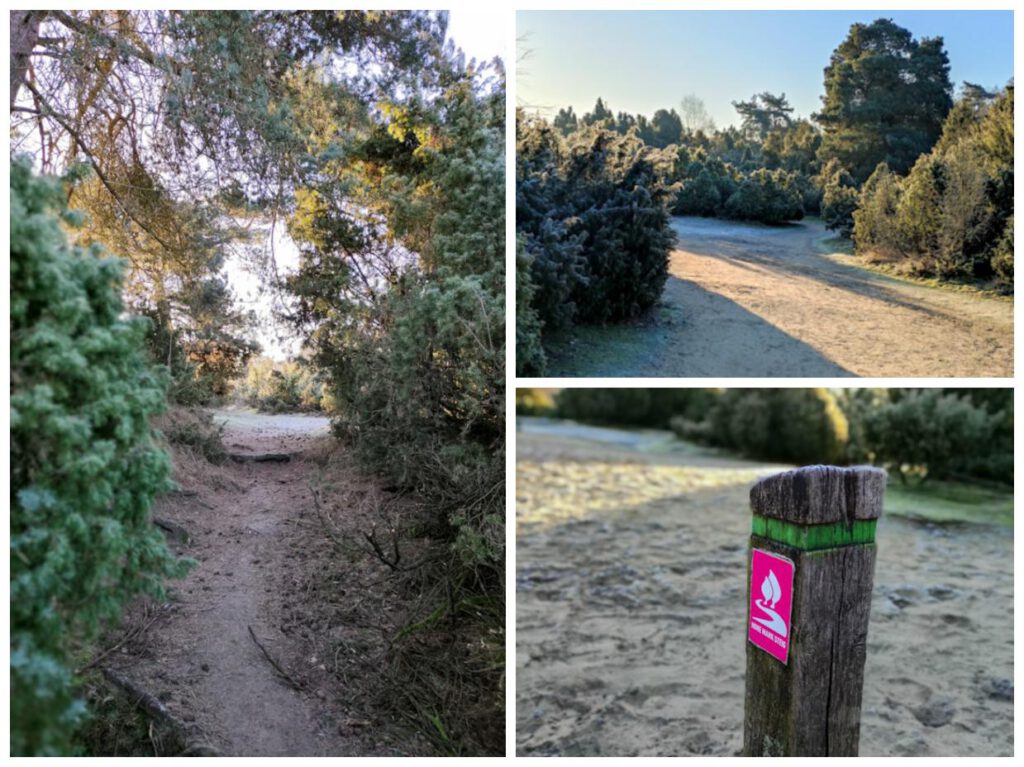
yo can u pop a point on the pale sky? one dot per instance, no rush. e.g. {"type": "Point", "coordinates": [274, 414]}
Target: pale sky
{"type": "Point", "coordinates": [278, 340]}
{"type": "Point", "coordinates": [641, 61]}
{"type": "Point", "coordinates": [479, 31]}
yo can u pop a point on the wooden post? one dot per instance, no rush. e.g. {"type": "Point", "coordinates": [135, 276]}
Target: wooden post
{"type": "Point", "coordinates": [822, 519]}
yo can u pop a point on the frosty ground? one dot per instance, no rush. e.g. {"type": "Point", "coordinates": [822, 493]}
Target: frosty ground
{"type": "Point", "coordinates": [630, 577]}
{"type": "Point", "coordinates": [750, 300]}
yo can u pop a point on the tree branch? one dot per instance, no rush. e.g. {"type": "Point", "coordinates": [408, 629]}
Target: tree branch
{"type": "Point", "coordinates": [116, 44]}
{"type": "Point", "coordinates": [48, 111]}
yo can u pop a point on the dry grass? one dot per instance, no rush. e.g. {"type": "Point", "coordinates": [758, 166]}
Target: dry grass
{"type": "Point", "coordinates": [399, 636]}
{"type": "Point", "coordinates": [116, 726]}
{"type": "Point", "coordinates": [321, 450]}
{"type": "Point", "coordinates": [882, 256]}
{"type": "Point", "coordinates": [197, 451]}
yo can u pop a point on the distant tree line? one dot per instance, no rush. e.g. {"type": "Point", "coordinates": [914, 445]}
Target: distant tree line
{"type": "Point", "coordinates": [922, 433]}
{"type": "Point", "coordinates": [891, 161]}
{"type": "Point", "coordinates": [271, 386]}
{"type": "Point", "coordinates": [762, 171]}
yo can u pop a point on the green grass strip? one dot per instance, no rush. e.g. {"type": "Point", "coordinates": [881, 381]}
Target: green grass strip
{"type": "Point", "coordinates": [814, 537]}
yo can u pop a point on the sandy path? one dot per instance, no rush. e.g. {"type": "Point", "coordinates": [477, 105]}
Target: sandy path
{"type": "Point", "coordinates": [745, 300]}
{"type": "Point", "coordinates": [247, 536]}
{"type": "Point", "coordinates": [630, 603]}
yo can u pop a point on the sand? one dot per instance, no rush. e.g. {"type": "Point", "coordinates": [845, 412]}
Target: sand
{"type": "Point", "coordinates": [630, 608]}
{"type": "Point", "coordinates": [749, 300]}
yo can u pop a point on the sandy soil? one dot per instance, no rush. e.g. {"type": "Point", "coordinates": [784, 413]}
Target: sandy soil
{"type": "Point", "coordinates": [262, 557]}
{"type": "Point", "coordinates": [630, 602]}
{"type": "Point", "coordinates": [745, 300]}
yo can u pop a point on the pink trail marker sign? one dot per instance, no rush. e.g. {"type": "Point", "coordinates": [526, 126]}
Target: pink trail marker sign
{"type": "Point", "coordinates": [771, 603]}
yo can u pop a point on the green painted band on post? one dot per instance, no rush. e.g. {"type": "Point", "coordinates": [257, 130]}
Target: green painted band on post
{"type": "Point", "coordinates": [814, 537]}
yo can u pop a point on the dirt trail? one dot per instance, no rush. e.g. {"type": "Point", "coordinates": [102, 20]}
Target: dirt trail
{"type": "Point", "coordinates": [745, 300]}
{"type": "Point", "coordinates": [630, 598]}
{"type": "Point", "coordinates": [200, 658]}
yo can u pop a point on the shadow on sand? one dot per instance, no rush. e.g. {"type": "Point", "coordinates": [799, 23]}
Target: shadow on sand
{"type": "Point", "coordinates": [789, 250]}
{"type": "Point", "coordinates": [743, 345]}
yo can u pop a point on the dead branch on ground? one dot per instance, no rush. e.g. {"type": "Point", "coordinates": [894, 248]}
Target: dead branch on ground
{"type": "Point", "coordinates": [160, 714]}
{"type": "Point", "coordinates": [395, 558]}
{"type": "Point", "coordinates": [270, 659]}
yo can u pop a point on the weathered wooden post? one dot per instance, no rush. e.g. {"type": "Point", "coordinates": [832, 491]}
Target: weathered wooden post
{"type": "Point", "coordinates": [811, 570]}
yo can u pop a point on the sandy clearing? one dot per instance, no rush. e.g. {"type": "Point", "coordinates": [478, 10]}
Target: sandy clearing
{"type": "Point", "coordinates": [745, 300]}
{"type": "Point", "coordinates": [630, 603]}
{"type": "Point", "coordinates": [246, 430]}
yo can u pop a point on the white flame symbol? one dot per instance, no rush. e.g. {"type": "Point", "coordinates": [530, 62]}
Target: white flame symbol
{"type": "Point", "coordinates": [771, 590]}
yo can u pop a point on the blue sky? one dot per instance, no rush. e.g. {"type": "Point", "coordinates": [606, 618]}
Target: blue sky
{"type": "Point", "coordinates": [642, 61]}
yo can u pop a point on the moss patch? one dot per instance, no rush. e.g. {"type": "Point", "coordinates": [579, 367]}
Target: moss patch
{"type": "Point", "coordinates": [951, 502]}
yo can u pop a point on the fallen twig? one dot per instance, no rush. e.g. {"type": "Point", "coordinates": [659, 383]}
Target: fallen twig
{"type": "Point", "coordinates": [193, 495]}
{"type": "Point", "coordinates": [277, 667]}
{"type": "Point", "coordinates": [325, 522]}
{"type": "Point", "coordinates": [394, 559]}
{"type": "Point", "coordinates": [133, 634]}
{"type": "Point", "coordinates": [173, 528]}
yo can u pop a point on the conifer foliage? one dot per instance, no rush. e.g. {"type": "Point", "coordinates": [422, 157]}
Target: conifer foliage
{"type": "Point", "coordinates": [592, 212]}
{"type": "Point", "coordinates": [411, 338]}
{"type": "Point", "coordinates": [620, 214]}
{"type": "Point", "coordinates": [952, 215]}
{"type": "Point", "coordinates": [886, 96]}
{"type": "Point", "coordinates": [402, 299]}
{"type": "Point", "coordinates": [84, 467]}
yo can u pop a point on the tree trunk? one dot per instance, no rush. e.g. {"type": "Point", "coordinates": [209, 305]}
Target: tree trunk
{"type": "Point", "coordinates": [24, 34]}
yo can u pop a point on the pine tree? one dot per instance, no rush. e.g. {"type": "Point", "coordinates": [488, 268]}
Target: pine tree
{"type": "Point", "coordinates": [601, 115]}
{"type": "Point", "coordinates": [886, 96]}
{"type": "Point", "coordinates": [565, 121]}
{"type": "Point", "coordinates": [666, 128]}
{"type": "Point", "coordinates": [764, 114]}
